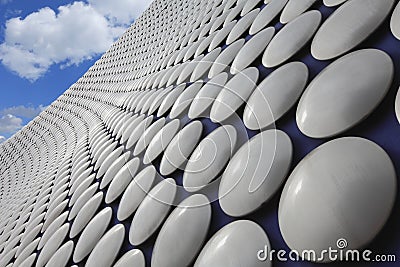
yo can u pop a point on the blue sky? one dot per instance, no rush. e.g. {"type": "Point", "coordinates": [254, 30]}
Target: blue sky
{"type": "Point", "coordinates": [46, 45]}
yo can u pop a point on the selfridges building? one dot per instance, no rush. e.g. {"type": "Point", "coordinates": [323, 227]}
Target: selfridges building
{"type": "Point", "coordinates": [218, 133]}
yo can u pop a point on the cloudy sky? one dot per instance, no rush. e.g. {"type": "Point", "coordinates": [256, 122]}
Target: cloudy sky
{"type": "Point", "coordinates": [46, 45]}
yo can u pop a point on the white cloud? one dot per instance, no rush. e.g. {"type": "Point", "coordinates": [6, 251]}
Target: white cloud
{"type": "Point", "coordinates": [2, 139]}
{"type": "Point", "coordinates": [120, 11]}
{"type": "Point", "coordinates": [23, 62]}
{"type": "Point", "coordinates": [29, 112]}
{"type": "Point", "coordinates": [74, 33]}
{"type": "Point", "coordinates": [10, 124]}
{"type": "Point", "coordinates": [11, 118]}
